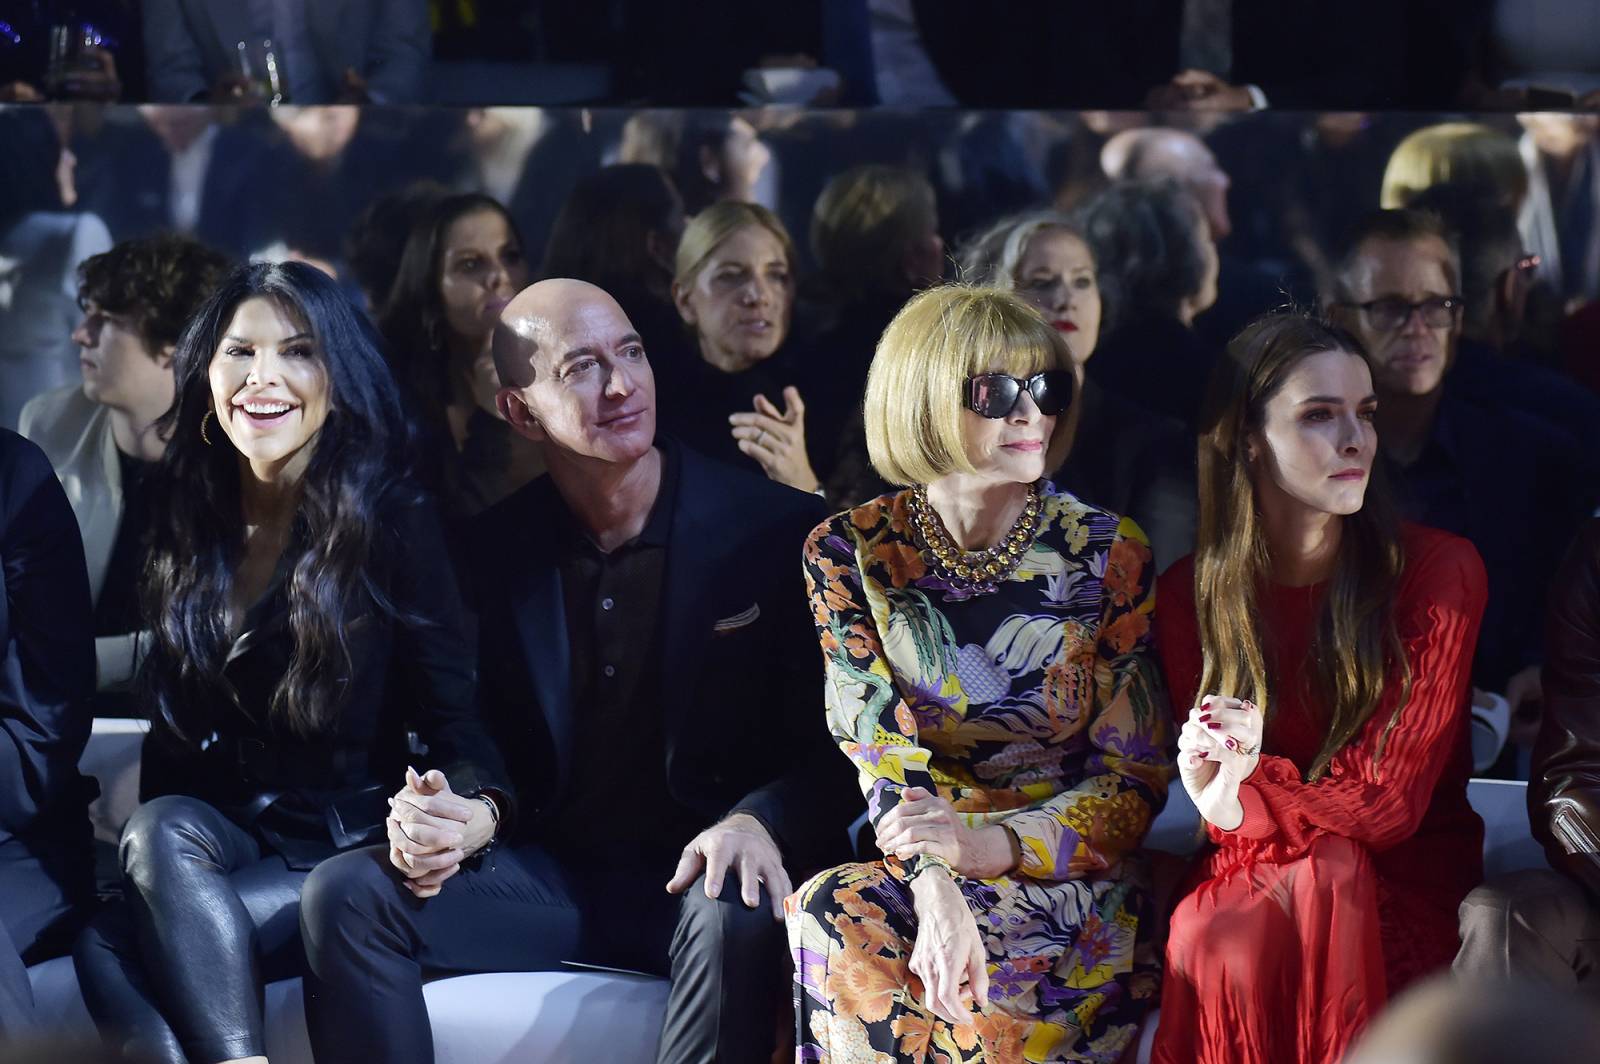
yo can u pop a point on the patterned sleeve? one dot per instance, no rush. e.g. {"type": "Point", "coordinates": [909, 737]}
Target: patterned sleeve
{"type": "Point", "coordinates": [1123, 784]}
{"type": "Point", "coordinates": [869, 720]}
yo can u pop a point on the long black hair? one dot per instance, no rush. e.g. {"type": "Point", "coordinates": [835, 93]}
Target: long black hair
{"type": "Point", "coordinates": [360, 460]}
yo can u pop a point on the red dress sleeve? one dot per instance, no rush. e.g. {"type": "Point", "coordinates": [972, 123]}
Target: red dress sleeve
{"type": "Point", "coordinates": [1440, 606]}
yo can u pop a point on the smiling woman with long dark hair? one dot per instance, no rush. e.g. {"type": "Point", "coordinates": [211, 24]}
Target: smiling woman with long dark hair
{"type": "Point", "coordinates": [304, 619]}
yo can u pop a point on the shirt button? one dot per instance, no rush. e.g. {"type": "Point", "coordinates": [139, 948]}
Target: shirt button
{"type": "Point", "coordinates": [606, 604]}
{"type": "Point", "coordinates": [610, 671]}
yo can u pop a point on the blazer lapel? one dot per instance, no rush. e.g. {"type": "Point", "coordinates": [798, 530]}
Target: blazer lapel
{"type": "Point", "coordinates": [692, 555]}
{"type": "Point", "coordinates": [541, 619]}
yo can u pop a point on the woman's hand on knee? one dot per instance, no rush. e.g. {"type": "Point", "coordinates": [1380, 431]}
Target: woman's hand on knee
{"type": "Point", "coordinates": [948, 953]}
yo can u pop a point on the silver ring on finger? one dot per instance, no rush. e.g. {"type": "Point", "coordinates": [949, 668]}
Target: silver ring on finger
{"type": "Point", "coordinates": [762, 438]}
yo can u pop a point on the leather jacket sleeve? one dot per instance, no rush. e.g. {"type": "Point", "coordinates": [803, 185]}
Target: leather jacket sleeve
{"type": "Point", "coordinates": [1564, 793]}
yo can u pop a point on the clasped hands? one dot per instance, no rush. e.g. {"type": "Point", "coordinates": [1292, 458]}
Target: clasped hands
{"type": "Point", "coordinates": [1218, 748]}
{"type": "Point", "coordinates": [432, 830]}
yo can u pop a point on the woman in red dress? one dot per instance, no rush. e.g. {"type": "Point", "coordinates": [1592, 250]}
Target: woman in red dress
{"type": "Point", "coordinates": [1325, 649]}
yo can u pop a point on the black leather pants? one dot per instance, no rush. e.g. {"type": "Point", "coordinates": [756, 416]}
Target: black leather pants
{"type": "Point", "coordinates": [177, 970]}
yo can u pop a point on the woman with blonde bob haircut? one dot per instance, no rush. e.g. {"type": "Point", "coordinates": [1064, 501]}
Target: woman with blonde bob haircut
{"type": "Point", "coordinates": [1325, 648]}
{"type": "Point", "coordinates": [1456, 153]}
{"type": "Point", "coordinates": [989, 671]}
{"type": "Point", "coordinates": [733, 286]}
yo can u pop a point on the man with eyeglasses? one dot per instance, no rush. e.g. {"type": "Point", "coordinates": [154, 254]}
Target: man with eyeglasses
{"type": "Point", "coordinates": [1472, 465]}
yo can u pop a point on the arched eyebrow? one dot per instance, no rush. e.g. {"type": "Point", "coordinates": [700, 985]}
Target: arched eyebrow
{"type": "Point", "coordinates": [1335, 400]}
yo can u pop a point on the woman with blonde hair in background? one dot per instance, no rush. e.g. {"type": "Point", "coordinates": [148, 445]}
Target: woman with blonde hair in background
{"type": "Point", "coordinates": [740, 393]}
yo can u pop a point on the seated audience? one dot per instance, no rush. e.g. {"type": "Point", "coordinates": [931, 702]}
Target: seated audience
{"type": "Point", "coordinates": [737, 395]}
{"type": "Point", "coordinates": [101, 435]}
{"type": "Point", "coordinates": [462, 263]}
{"type": "Point", "coordinates": [1398, 290]}
{"type": "Point", "coordinates": [875, 238]}
{"type": "Point", "coordinates": [46, 678]}
{"type": "Point", "coordinates": [619, 230]}
{"type": "Point", "coordinates": [1543, 924]}
{"type": "Point", "coordinates": [1325, 650]}
{"type": "Point", "coordinates": [990, 678]}
{"type": "Point", "coordinates": [178, 169]}
{"type": "Point", "coordinates": [1160, 154]}
{"type": "Point", "coordinates": [303, 625]}
{"type": "Point", "coordinates": [334, 51]}
{"type": "Point", "coordinates": [642, 662]}
{"type": "Point", "coordinates": [42, 240]}
{"type": "Point", "coordinates": [1158, 270]}
{"type": "Point", "coordinates": [1125, 457]}
{"type": "Point", "coordinates": [1497, 275]}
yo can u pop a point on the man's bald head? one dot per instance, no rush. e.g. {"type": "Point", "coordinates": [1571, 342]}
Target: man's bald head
{"type": "Point", "coordinates": [573, 374]}
{"type": "Point", "coordinates": [545, 319]}
{"type": "Point", "coordinates": [1152, 154]}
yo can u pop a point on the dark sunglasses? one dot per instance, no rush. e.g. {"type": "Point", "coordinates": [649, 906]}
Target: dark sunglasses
{"type": "Point", "coordinates": [995, 395]}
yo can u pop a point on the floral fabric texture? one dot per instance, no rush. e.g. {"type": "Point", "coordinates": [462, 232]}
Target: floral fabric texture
{"type": "Point", "coordinates": [1039, 706]}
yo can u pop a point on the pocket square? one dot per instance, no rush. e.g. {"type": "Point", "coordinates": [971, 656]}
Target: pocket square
{"type": "Point", "coordinates": [739, 620]}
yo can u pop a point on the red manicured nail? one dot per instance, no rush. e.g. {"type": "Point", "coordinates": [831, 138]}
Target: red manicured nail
{"type": "Point", "coordinates": [1204, 717]}
{"type": "Point", "coordinates": [1214, 726]}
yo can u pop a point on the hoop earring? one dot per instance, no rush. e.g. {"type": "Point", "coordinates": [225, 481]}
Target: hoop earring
{"type": "Point", "coordinates": [204, 435]}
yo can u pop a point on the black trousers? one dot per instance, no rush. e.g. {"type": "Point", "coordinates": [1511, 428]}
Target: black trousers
{"type": "Point", "coordinates": [45, 892]}
{"type": "Point", "coordinates": [177, 970]}
{"type": "Point", "coordinates": [368, 942]}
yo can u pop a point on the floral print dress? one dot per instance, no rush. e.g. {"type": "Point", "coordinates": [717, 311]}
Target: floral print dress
{"type": "Point", "coordinates": [1038, 705]}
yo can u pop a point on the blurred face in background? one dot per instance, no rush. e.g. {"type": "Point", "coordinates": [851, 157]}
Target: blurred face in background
{"type": "Point", "coordinates": [1056, 274]}
{"type": "Point", "coordinates": [743, 158]}
{"type": "Point", "coordinates": [740, 302]}
{"type": "Point", "coordinates": [318, 134]}
{"type": "Point", "coordinates": [480, 268]}
{"type": "Point", "coordinates": [1409, 356]}
{"type": "Point", "coordinates": [119, 368]}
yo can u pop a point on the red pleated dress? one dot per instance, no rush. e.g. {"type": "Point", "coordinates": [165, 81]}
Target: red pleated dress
{"type": "Point", "coordinates": [1333, 895]}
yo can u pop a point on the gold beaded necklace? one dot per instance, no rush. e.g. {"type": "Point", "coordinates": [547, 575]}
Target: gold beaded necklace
{"type": "Point", "coordinates": [975, 571]}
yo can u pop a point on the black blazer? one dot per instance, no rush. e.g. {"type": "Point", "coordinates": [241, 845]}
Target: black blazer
{"type": "Point", "coordinates": [744, 721]}
{"type": "Point", "coordinates": [46, 652]}
{"type": "Point", "coordinates": [310, 797]}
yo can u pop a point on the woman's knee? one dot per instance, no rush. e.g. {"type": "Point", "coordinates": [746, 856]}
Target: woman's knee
{"type": "Point", "coordinates": [162, 831]}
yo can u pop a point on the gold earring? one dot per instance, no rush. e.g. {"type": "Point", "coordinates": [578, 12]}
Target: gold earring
{"type": "Point", "coordinates": [204, 435]}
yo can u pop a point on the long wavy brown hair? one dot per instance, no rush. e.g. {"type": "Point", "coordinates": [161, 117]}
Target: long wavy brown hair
{"type": "Point", "coordinates": [1355, 649]}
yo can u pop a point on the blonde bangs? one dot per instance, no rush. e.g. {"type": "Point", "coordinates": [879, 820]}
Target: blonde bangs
{"type": "Point", "coordinates": [913, 410]}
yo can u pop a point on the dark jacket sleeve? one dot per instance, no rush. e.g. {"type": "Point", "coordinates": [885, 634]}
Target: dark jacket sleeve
{"type": "Point", "coordinates": [397, 59]}
{"type": "Point", "coordinates": [808, 809]}
{"type": "Point", "coordinates": [434, 655]}
{"type": "Point", "coordinates": [174, 67]}
{"type": "Point", "coordinates": [46, 641]}
{"type": "Point", "coordinates": [1564, 795]}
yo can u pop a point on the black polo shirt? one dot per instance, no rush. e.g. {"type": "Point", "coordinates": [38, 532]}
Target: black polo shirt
{"type": "Point", "coordinates": [613, 612]}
